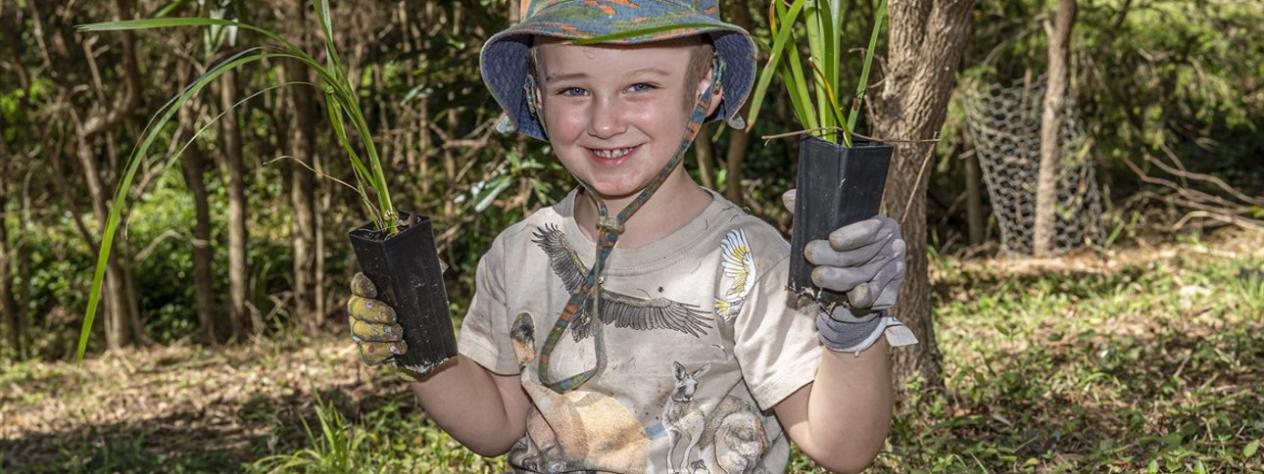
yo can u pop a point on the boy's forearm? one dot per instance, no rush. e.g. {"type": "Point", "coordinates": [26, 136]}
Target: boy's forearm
{"type": "Point", "coordinates": [849, 408]}
{"type": "Point", "coordinates": [467, 402]}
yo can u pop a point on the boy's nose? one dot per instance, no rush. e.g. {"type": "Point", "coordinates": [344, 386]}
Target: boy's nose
{"type": "Point", "coordinates": [605, 120]}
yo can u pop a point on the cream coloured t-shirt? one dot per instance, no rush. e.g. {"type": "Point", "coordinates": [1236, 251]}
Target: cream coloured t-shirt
{"type": "Point", "coordinates": [701, 336]}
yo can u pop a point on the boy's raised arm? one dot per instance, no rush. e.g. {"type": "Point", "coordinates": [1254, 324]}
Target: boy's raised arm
{"type": "Point", "coordinates": [841, 419]}
{"type": "Point", "coordinates": [484, 411]}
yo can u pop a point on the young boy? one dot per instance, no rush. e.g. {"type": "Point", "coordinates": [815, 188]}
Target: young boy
{"type": "Point", "coordinates": [678, 347]}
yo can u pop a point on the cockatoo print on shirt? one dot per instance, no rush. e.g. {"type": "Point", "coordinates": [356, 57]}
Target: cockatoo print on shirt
{"type": "Point", "coordinates": [737, 266]}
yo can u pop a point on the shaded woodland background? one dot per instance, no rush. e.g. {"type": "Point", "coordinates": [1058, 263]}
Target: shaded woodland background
{"type": "Point", "coordinates": [240, 241]}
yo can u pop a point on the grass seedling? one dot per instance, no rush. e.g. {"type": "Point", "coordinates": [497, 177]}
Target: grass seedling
{"type": "Point", "coordinates": [341, 102]}
{"type": "Point", "coordinates": [815, 91]}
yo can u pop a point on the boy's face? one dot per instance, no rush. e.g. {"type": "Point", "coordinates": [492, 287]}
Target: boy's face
{"type": "Point", "coordinates": [616, 114]}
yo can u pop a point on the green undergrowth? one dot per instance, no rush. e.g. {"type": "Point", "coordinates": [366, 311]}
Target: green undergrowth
{"type": "Point", "coordinates": [1150, 364]}
{"type": "Point", "coordinates": [1150, 367]}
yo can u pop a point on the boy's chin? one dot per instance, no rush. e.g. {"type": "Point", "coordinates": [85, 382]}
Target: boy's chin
{"type": "Point", "coordinates": [617, 191]}
{"type": "Point", "coordinates": [613, 193]}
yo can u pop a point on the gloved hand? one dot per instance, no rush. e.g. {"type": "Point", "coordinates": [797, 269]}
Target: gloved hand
{"type": "Point", "coordinates": [373, 327]}
{"type": "Point", "coordinates": [864, 260]}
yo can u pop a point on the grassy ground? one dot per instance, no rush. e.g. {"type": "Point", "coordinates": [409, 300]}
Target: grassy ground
{"type": "Point", "coordinates": [1144, 360]}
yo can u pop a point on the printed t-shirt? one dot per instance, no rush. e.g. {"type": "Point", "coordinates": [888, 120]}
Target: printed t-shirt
{"type": "Point", "coordinates": [701, 337]}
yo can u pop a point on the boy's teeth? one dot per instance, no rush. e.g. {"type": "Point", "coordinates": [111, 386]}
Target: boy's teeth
{"type": "Point", "coordinates": [615, 153]}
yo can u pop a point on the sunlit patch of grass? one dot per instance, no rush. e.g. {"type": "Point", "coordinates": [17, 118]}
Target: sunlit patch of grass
{"type": "Point", "coordinates": [392, 437]}
{"type": "Point", "coordinates": [1155, 366]}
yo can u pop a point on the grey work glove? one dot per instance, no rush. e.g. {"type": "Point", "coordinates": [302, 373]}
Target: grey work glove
{"type": "Point", "coordinates": [373, 328]}
{"type": "Point", "coordinates": [864, 260]}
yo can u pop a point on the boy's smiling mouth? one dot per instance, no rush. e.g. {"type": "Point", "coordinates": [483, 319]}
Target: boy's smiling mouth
{"type": "Point", "coordinates": [612, 156]}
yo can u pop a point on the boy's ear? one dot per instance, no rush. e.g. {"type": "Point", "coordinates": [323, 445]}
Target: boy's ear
{"type": "Point", "coordinates": [717, 95]}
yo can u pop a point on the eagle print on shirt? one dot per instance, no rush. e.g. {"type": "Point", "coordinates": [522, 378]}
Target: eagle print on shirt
{"type": "Point", "coordinates": [621, 310]}
{"type": "Point", "coordinates": [737, 274]}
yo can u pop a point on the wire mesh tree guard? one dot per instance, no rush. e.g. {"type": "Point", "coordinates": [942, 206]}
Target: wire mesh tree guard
{"type": "Point", "coordinates": [1004, 122]}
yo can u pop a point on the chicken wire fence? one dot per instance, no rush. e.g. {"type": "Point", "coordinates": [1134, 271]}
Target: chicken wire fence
{"type": "Point", "coordinates": [1004, 122]}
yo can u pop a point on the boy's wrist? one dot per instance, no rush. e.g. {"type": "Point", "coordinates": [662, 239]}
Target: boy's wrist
{"type": "Point", "coordinates": [843, 331]}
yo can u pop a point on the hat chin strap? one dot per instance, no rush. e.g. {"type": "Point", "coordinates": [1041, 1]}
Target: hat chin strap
{"type": "Point", "coordinates": [586, 301]}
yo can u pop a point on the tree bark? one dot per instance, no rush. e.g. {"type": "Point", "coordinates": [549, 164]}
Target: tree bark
{"type": "Point", "coordinates": [974, 193]}
{"type": "Point", "coordinates": [738, 139]}
{"type": "Point", "coordinates": [194, 169]}
{"type": "Point", "coordinates": [1051, 129]}
{"type": "Point", "coordinates": [303, 188]}
{"type": "Point", "coordinates": [926, 41]}
{"type": "Point", "coordinates": [9, 312]}
{"type": "Point", "coordinates": [115, 296]}
{"type": "Point", "coordinates": [232, 165]}
{"type": "Point", "coordinates": [704, 152]}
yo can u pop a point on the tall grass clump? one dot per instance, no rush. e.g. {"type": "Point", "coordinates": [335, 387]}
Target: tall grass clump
{"type": "Point", "coordinates": [339, 446]}
{"type": "Point", "coordinates": [341, 104]}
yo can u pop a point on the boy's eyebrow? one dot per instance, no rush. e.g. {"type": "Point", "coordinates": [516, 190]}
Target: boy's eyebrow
{"type": "Point", "coordinates": [563, 77]}
{"type": "Point", "coordinates": [653, 70]}
{"type": "Point", "coordinates": [582, 75]}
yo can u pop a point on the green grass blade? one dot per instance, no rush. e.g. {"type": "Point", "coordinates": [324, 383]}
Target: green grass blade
{"type": "Point", "coordinates": [155, 23]}
{"type": "Point", "coordinates": [792, 76]}
{"type": "Point", "coordinates": [639, 32]}
{"type": "Point", "coordinates": [800, 101]}
{"type": "Point", "coordinates": [377, 180]}
{"type": "Point", "coordinates": [834, 36]}
{"type": "Point", "coordinates": [880, 16]}
{"type": "Point", "coordinates": [798, 85]}
{"type": "Point", "coordinates": [774, 57]}
{"type": "Point", "coordinates": [817, 54]}
{"type": "Point", "coordinates": [332, 59]}
{"type": "Point", "coordinates": [833, 108]}
{"type": "Point", "coordinates": [348, 103]}
{"type": "Point", "coordinates": [361, 172]}
{"type": "Point", "coordinates": [117, 206]}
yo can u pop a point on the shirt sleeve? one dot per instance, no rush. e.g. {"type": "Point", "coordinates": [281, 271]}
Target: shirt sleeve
{"type": "Point", "coordinates": [484, 334]}
{"type": "Point", "coordinates": [775, 340]}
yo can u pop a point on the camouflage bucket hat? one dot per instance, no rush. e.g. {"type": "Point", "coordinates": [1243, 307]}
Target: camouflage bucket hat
{"type": "Point", "coordinates": [506, 56]}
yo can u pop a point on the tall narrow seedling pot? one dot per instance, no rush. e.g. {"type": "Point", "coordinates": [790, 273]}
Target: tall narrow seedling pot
{"type": "Point", "coordinates": [405, 268]}
{"type": "Point", "coordinates": [836, 186]}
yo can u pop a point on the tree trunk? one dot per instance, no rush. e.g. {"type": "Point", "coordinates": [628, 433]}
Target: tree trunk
{"type": "Point", "coordinates": [303, 188]}
{"type": "Point", "coordinates": [738, 139]}
{"type": "Point", "coordinates": [115, 296]}
{"type": "Point", "coordinates": [231, 165]}
{"type": "Point", "coordinates": [1051, 129]}
{"type": "Point", "coordinates": [926, 41]}
{"type": "Point", "coordinates": [974, 193]}
{"type": "Point", "coordinates": [704, 152]}
{"type": "Point", "coordinates": [9, 312]}
{"type": "Point", "coordinates": [203, 253]}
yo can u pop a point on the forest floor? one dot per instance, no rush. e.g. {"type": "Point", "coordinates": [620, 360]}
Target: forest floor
{"type": "Point", "coordinates": [1146, 358]}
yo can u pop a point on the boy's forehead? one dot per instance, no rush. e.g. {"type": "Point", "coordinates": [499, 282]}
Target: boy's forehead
{"type": "Point", "coordinates": [667, 57]}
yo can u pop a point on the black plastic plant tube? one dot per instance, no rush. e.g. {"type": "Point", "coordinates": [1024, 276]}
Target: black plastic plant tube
{"type": "Point", "coordinates": [836, 186]}
{"type": "Point", "coordinates": [405, 268]}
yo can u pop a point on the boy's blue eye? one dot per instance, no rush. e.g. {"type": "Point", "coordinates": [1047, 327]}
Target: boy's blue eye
{"type": "Point", "coordinates": [642, 87]}
{"type": "Point", "coordinates": [572, 92]}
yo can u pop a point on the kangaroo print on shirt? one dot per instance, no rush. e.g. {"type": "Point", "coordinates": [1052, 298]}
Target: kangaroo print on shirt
{"type": "Point", "coordinates": [729, 435]}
